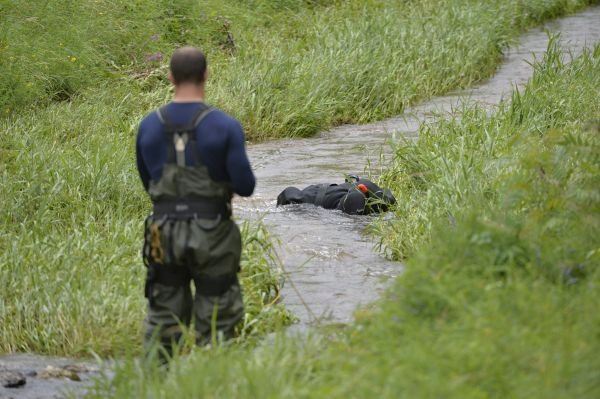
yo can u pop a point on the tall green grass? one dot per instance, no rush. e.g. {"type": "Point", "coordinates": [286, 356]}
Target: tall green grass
{"type": "Point", "coordinates": [459, 158]}
{"type": "Point", "coordinates": [500, 302]}
{"type": "Point", "coordinates": [285, 68]}
{"type": "Point", "coordinates": [71, 274]}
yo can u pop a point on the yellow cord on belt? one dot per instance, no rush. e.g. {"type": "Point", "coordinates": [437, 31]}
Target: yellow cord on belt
{"type": "Point", "coordinates": [156, 250]}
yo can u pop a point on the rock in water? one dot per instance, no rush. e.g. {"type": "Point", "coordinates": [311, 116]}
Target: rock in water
{"type": "Point", "coordinates": [12, 379]}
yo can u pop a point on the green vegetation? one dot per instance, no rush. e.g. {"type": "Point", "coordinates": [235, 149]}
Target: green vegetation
{"type": "Point", "coordinates": [500, 302]}
{"type": "Point", "coordinates": [75, 287]}
{"type": "Point", "coordinates": [285, 67]}
{"type": "Point", "coordinates": [498, 214]}
{"type": "Point", "coordinates": [461, 159]}
{"type": "Point", "coordinates": [71, 232]}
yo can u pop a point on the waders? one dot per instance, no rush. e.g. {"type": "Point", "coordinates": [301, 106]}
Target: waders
{"type": "Point", "coordinates": [190, 238]}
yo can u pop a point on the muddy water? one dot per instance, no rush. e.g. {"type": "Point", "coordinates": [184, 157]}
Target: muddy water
{"type": "Point", "coordinates": [328, 258]}
{"type": "Point", "coordinates": [332, 264]}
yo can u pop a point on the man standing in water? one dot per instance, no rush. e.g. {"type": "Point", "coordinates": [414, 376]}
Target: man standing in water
{"type": "Point", "coordinates": [192, 159]}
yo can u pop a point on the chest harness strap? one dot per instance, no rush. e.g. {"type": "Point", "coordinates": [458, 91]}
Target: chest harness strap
{"type": "Point", "coordinates": [182, 134]}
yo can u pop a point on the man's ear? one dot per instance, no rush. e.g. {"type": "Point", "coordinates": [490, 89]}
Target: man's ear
{"type": "Point", "coordinates": [171, 78]}
{"type": "Point", "coordinates": [205, 77]}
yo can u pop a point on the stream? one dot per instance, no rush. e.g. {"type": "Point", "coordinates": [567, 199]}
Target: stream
{"type": "Point", "coordinates": [331, 266]}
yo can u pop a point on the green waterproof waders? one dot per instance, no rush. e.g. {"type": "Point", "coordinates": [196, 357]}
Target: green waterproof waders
{"type": "Point", "coordinates": [190, 237]}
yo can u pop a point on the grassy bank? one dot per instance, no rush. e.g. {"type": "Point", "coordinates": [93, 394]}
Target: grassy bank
{"type": "Point", "coordinates": [500, 300]}
{"type": "Point", "coordinates": [285, 68]}
{"type": "Point", "coordinates": [464, 158]}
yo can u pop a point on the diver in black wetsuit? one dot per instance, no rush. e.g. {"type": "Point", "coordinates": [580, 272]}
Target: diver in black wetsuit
{"type": "Point", "coordinates": [357, 196]}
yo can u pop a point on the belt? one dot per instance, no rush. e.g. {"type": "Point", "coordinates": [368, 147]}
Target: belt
{"type": "Point", "coordinates": [200, 209]}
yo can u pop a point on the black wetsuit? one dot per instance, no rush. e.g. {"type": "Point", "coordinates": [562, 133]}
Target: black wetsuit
{"type": "Point", "coordinates": [346, 197]}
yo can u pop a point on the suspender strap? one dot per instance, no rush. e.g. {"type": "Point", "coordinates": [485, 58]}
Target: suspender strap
{"type": "Point", "coordinates": [164, 118]}
{"type": "Point", "coordinates": [180, 135]}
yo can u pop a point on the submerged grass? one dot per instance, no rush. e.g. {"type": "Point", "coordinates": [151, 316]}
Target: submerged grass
{"type": "Point", "coordinates": [499, 302]}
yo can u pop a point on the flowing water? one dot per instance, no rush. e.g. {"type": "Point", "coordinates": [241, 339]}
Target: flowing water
{"type": "Point", "coordinates": [333, 265]}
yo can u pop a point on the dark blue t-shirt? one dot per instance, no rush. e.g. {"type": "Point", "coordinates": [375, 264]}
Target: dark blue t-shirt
{"type": "Point", "coordinates": [220, 140]}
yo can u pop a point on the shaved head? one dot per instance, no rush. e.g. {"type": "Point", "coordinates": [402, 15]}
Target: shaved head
{"type": "Point", "coordinates": [188, 65]}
